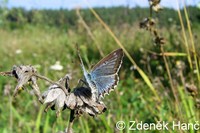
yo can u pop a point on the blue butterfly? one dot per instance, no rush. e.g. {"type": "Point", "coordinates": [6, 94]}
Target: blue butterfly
{"type": "Point", "coordinates": [104, 75]}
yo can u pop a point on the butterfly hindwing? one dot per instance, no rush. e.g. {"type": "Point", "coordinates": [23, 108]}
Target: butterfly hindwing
{"type": "Point", "coordinates": [105, 83]}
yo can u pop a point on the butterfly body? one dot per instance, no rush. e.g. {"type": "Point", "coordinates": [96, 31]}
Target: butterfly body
{"type": "Point", "coordinates": [104, 75]}
{"type": "Point", "coordinates": [89, 81]}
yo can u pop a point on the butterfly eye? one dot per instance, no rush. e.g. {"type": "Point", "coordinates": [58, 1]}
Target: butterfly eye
{"type": "Point", "coordinates": [89, 76]}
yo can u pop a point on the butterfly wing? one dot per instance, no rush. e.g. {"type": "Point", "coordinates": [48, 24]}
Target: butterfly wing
{"type": "Point", "coordinates": [105, 73]}
{"type": "Point", "coordinates": [105, 83]}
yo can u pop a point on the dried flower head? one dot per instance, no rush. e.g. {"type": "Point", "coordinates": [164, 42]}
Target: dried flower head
{"type": "Point", "coordinates": [155, 4]}
{"type": "Point", "coordinates": [180, 65]}
{"type": "Point", "coordinates": [147, 24]}
{"type": "Point", "coordinates": [157, 8]}
{"type": "Point", "coordinates": [54, 97]}
{"type": "Point", "coordinates": [198, 103]}
{"type": "Point", "coordinates": [23, 74]}
{"type": "Point", "coordinates": [80, 100]}
{"type": "Point", "coordinates": [159, 40]}
{"type": "Point", "coordinates": [84, 102]}
{"type": "Point", "coordinates": [192, 89]}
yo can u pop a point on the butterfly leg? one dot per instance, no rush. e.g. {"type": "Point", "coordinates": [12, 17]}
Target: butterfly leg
{"type": "Point", "coordinates": [83, 81]}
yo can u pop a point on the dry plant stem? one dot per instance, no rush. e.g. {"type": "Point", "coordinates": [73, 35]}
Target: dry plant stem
{"type": "Point", "coordinates": [71, 120]}
{"type": "Point", "coordinates": [185, 38]}
{"type": "Point", "coordinates": [177, 105]}
{"type": "Point", "coordinates": [11, 115]}
{"type": "Point", "coordinates": [183, 82]}
{"type": "Point", "coordinates": [37, 92]}
{"type": "Point", "coordinates": [6, 73]}
{"type": "Point", "coordinates": [192, 41]}
{"type": "Point", "coordinates": [52, 82]}
{"type": "Point", "coordinates": [189, 112]}
{"type": "Point", "coordinates": [169, 75]}
{"type": "Point", "coordinates": [89, 31]}
{"type": "Point", "coordinates": [167, 53]}
{"type": "Point", "coordinates": [48, 106]}
{"type": "Point", "coordinates": [143, 75]}
{"type": "Point", "coordinates": [182, 79]}
{"type": "Point", "coordinates": [151, 12]}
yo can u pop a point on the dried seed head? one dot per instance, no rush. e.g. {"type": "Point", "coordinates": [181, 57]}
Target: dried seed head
{"type": "Point", "coordinates": [155, 33]}
{"type": "Point", "coordinates": [159, 40]}
{"type": "Point", "coordinates": [197, 103]}
{"type": "Point", "coordinates": [157, 8]}
{"type": "Point", "coordinates": [152, 22]}
{"type": "Point", "coordinates": [154, 2]}
{"type": "Point", "coordinates": [192, 89]}
{"type": "Point", "coordinates": [180, 65]}
{"type": "Point", "coordinates": [147, 24]}
{"type": "Point", "coordinates": [144, 23]}
{"type": "Point", "coordinates": [23, 74]}
{"type": "Point", "coordinates": [55, 99]}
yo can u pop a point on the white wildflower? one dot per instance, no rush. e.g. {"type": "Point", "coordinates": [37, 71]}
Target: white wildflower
{"type": "Point", "coordinates": [18, 51]}
{"type": "Point", "coordinates": [57, 66]}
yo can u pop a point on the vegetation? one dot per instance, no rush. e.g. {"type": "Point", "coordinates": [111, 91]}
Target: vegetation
{"type": "Point", "coordinates": [19, 17]}
{"type": "Point", "coordinates": [42, 37]}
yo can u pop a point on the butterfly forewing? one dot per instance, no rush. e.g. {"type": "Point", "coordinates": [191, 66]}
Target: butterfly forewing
{"type": "Point", "coordinates": [104, 73]}
{"type": "Point", "coordinates": [109, 65]}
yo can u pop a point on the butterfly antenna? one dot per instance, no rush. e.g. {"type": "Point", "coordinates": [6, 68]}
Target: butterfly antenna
{"type": "Point", "coordinates": [78, 52]}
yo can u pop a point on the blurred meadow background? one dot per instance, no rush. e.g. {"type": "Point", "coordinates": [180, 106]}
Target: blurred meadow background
{"type": "Point", "coordinates": [157, 83]}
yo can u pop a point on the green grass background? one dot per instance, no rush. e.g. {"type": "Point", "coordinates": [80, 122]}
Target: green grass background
{"type": "Point", "coordinates": [132, 100]}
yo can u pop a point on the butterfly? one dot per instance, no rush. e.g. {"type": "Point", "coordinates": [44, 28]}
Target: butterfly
{"type": "Point", "coordinates": [103, 77]}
